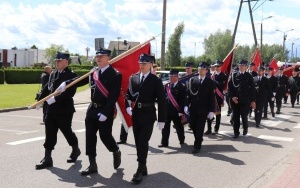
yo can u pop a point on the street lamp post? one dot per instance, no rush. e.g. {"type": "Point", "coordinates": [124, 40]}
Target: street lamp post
{"type": "Point", "coordinates": [118, 45]}
{"type": "Point", "coordinates": [292, 54]}
{"type": "Point", "coordinates": [284, 38]}
{"type": "Point", "coordinates": [261, 36]}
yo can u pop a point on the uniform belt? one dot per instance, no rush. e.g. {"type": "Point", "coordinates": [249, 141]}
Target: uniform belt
{"type": "Point", "coordinates": [144, 105]}
{"type": "Point", "coordinates": [96, 105]}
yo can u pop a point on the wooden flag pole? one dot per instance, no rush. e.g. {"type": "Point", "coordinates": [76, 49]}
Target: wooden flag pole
{"type": "Point", "coordinates": [130, 51]}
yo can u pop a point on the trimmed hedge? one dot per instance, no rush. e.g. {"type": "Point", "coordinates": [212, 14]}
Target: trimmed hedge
{"type": "Point", "coordinates": [23, 76]}
{"type": "Point", "coordinates": [1, 76]}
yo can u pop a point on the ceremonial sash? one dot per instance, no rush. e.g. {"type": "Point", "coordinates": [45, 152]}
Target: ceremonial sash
{"type": "Point", "coordinates": [99, 85]}
{"type": "Point", "coordinates": [219, 93]}
{"type": "Point", "coordinates": [172, 99]}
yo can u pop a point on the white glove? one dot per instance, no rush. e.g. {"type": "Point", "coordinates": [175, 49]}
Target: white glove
{"type": "Point", "coordinates": [274, 94]}
{"type": "Point", "coordinates": [51, 100]}
{"type": "Point", "coordinates": [160, 125]}
{"type": "Point", "coordinates": [210, 115]}
{"type": "Point", "coordinates": [38, 107]}
{"type": "Point", "coordinates": [102, 117]}
{"type": "Point", "coordinates": [129, 111]}
{"type": "Point", "coordinates": [180, 114]}
{"type": "Point", "coordinates": [186, 110]}
{"type": "Point", "coordinates": [273, 99]}
{"type": "Point", "coordinates": [62, 87]}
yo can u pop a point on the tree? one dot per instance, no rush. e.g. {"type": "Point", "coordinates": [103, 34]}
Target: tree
{"type": "Point", "coordinates": [114, 53]}
{"type": "Point", "coordinates": [33, 47]}
{"type": "Point", "coordinates": [217, 45]}
{"type": "Point", "coordinates": [173, 55]}
{"type": "Point", "coordinates": [52, 50]}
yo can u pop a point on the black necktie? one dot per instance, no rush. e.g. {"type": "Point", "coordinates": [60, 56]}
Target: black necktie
{"type": "Point", "coordinates": [99, 73]}
{"type": "Point", "coordinates": [172, 85]}
{"type": "Point", "coordinates": [201, 81]}
{"type": "Point", "coordinates": [142, 80]}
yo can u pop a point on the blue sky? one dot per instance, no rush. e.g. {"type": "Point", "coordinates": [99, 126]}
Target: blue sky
{"type": "Point", "coordinates": [75, 23]}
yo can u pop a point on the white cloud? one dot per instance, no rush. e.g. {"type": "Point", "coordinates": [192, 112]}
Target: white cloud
{"type": "Point", "coordinates": [75, 25]}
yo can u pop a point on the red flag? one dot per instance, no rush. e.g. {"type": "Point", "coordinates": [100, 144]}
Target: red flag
{"type": "Point", "coordinates": [288, 71]}
{"type": "Point", "coordinates": [273, 64]}
{"type": "Point", "coordinates": [127, 66]}
{"type": "Point", "coordinates": [256, 59]}
{"type": "Point", "coordinates": [227, 64]}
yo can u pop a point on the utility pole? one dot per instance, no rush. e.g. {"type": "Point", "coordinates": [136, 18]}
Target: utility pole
{"type": "Point", "coordinates": [252, 23]}
{"type": "Point", "coordinates": [163, 37]}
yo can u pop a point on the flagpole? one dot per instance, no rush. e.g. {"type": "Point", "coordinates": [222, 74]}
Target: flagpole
{"type": "Point", "coordinates": [130, 51]}
{"type": "Point", "coordinates": [231, 51]}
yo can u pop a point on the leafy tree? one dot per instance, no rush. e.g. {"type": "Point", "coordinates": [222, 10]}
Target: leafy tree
{"type": "Point", "coordinates": [217, 45]}
{"type": "Point", "coordinates": [114, 53]}
{"type": "Point", "coordinates": [52, 50]}
{"type": "Point", "coordinates": [173, 55]}
{"type": "Point", "coordinates": [33, 47]}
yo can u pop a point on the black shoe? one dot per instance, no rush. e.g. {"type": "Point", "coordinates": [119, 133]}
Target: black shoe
{"type": "Point", "coordinates": [121, 142]}
{"type": "Point", "coordinates": [277, 112]}
{"type": "Point", "coordinates": [181, 142]}
{"type": "Point", "coordinates": [235, 136]}
{"type": "Point", "coordinates": [293, 106]}
{"type": "Point", "coordinates": [195, 151]}
{"type": "Point", "coordinates": [45, 163]}
{"type": "Point", "coordinates": [228, 114]}
{"type": "Point", "coordinates": [214, 133]}
{"type": "Point", "coordinates": [245, 131]}
{"type": "Point", "coordinates": [163, 146]}
{"type": "Point", "coordinates": [208, 132]}
{"type": "Point", "coordinates": [297, 102]}
{"type": "Point", "coordinates": [74, 155]}
{"type": "Point", "coordinates": [138, 176]}
{"type": "Point", "coordinates": [117, 159]}
{"type": "Point", "coordinates": [92, 169]}
{"type": "Point", "coordinates": [273, 114]}
{"type": "Point", "coordinates": [257, 125]}
{"type": "Point", "coordinates": [231, 122]}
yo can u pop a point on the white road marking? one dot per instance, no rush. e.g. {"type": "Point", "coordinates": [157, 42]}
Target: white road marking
{"type": "Point", "coordinates": [276, 138]}
{"type": "Point", "coordinates": [276, 121]}
{"type": "Point", "coordinates": [26, 141]}
{"type": "Point", "coordinates": [297, 126]}
{"type": "Point", "coordinates": [79, 130]}
{"type": "Point", "coordinates": [230, 133]}
{"type": "Point", "coordinates": [18, 132]}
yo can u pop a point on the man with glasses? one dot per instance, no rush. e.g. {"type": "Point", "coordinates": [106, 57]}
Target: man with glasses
{"type": "Point", "coordinates": [241, 92]}
{"type": "Point", "coordinates": [144, 90]}
{"type": "Point", "coordinates": [200, 103]}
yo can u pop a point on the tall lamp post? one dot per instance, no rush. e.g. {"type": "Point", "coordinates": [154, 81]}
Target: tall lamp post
{"type": "Point", "coordinates": [118, 45]}
{"type": "Point", "coordinates": [261, 35]}
{"type": "Point", "coordinates": [292, 54]}
{"type": "Point", "coordinates": [284, 38]}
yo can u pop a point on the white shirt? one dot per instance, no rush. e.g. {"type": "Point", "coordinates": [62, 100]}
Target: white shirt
{"type": "Point", "coordinates": [201, 79]}
{"type": "Point", "coordinates": [145, 76]}
{"type": "Point", "coordinates": [104, 68]}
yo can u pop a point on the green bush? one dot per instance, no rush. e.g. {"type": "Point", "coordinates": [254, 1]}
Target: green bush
{"type": "Point", "coordinates": [23, 76]}
{"type": "Point", "coordinates": [1, 76]}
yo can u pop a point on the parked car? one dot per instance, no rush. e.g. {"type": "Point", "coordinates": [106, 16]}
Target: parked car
{"type": "Point", "coordinates": [164, 75]}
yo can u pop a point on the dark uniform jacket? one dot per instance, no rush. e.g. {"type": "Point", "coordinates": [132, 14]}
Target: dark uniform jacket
{"type": "Point", "coordinates": [220, 81]}
{"type": "Point", "coordinates": [111, 80]}
{"type": "Point", "coordinates": [262, 89]}
{"type": "Point", "coordinates": [178, 92]}
{"type": "Point", "coordinates": [147, 93]}
{"type": "Point", "coordinates": [200, 97]}
{"type": "Point", "coordinates": [64, 102]}
{"type": "Point", "coordinates": [253, 73]}
{"type": "Point", "coordinates": [294, 84]}
{"type": "Point", "coordinates": [273, 87]}
{"type": "Point", "coordinates": [282, 85]}
{"type": "Point", "coordinates": [242, 86]}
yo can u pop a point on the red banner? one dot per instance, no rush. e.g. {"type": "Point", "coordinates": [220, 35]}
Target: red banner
{"type": "Point", "coordinates": [227, 65]}
{"type": "Point", "coordinates": [127, 66]}
{"type": "Point", "coordinates": [273, 65]}
{"type": "Point", "coordinates": [256, 59]}
{"type": "Point", "coordinates": [288, 71]}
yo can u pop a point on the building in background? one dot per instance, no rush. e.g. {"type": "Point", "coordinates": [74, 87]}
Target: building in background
{"type": "Point", "coordinates": [121, 46]}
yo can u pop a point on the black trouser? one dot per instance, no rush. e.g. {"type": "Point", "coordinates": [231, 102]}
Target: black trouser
{"type": "Point", "coordinates": [218, 120]}
{"type": "Point", "coordinates": [278, 98]}
{"type": "Point", "coordinates": [285, 98]}
{"type": "Point", "coordinates": [198, 123]}
{"type": "Point", "coordinates": [239, 110]}
{"type": "Point", "coordinates": [123, 134]}
{"type": "Point", "coordinates": [64, 124]}
{"type": "Point", "coordinates": [258, 111]}
{"type": "Point", "coordinates": [142, 134]}
{"type": "Point", "coordinates": [105, 131]}
{"type": "Point", "coordinates": [271, 104]}
{"type": "Point", "coordinates": [293, 97]}
{"type": "Point", "coordinates": [166, 130]}
{"type": "Point", "coordinates": [297, 98]}
{"type": "Point", "coordinates": [45, 106]}
{"type": "Point", "coordinates": [229, 110]}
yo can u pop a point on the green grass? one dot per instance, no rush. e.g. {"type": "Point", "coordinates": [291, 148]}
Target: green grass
{"type": "Point", "coordinates": [20, 95]}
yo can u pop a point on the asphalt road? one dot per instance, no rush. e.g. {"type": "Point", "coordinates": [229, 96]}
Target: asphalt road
{"type": "Point", "coordinates": [249, 161]}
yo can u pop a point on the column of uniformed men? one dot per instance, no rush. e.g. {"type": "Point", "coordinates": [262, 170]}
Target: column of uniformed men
{"type": "Point", "coordinates": [201, 98]}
